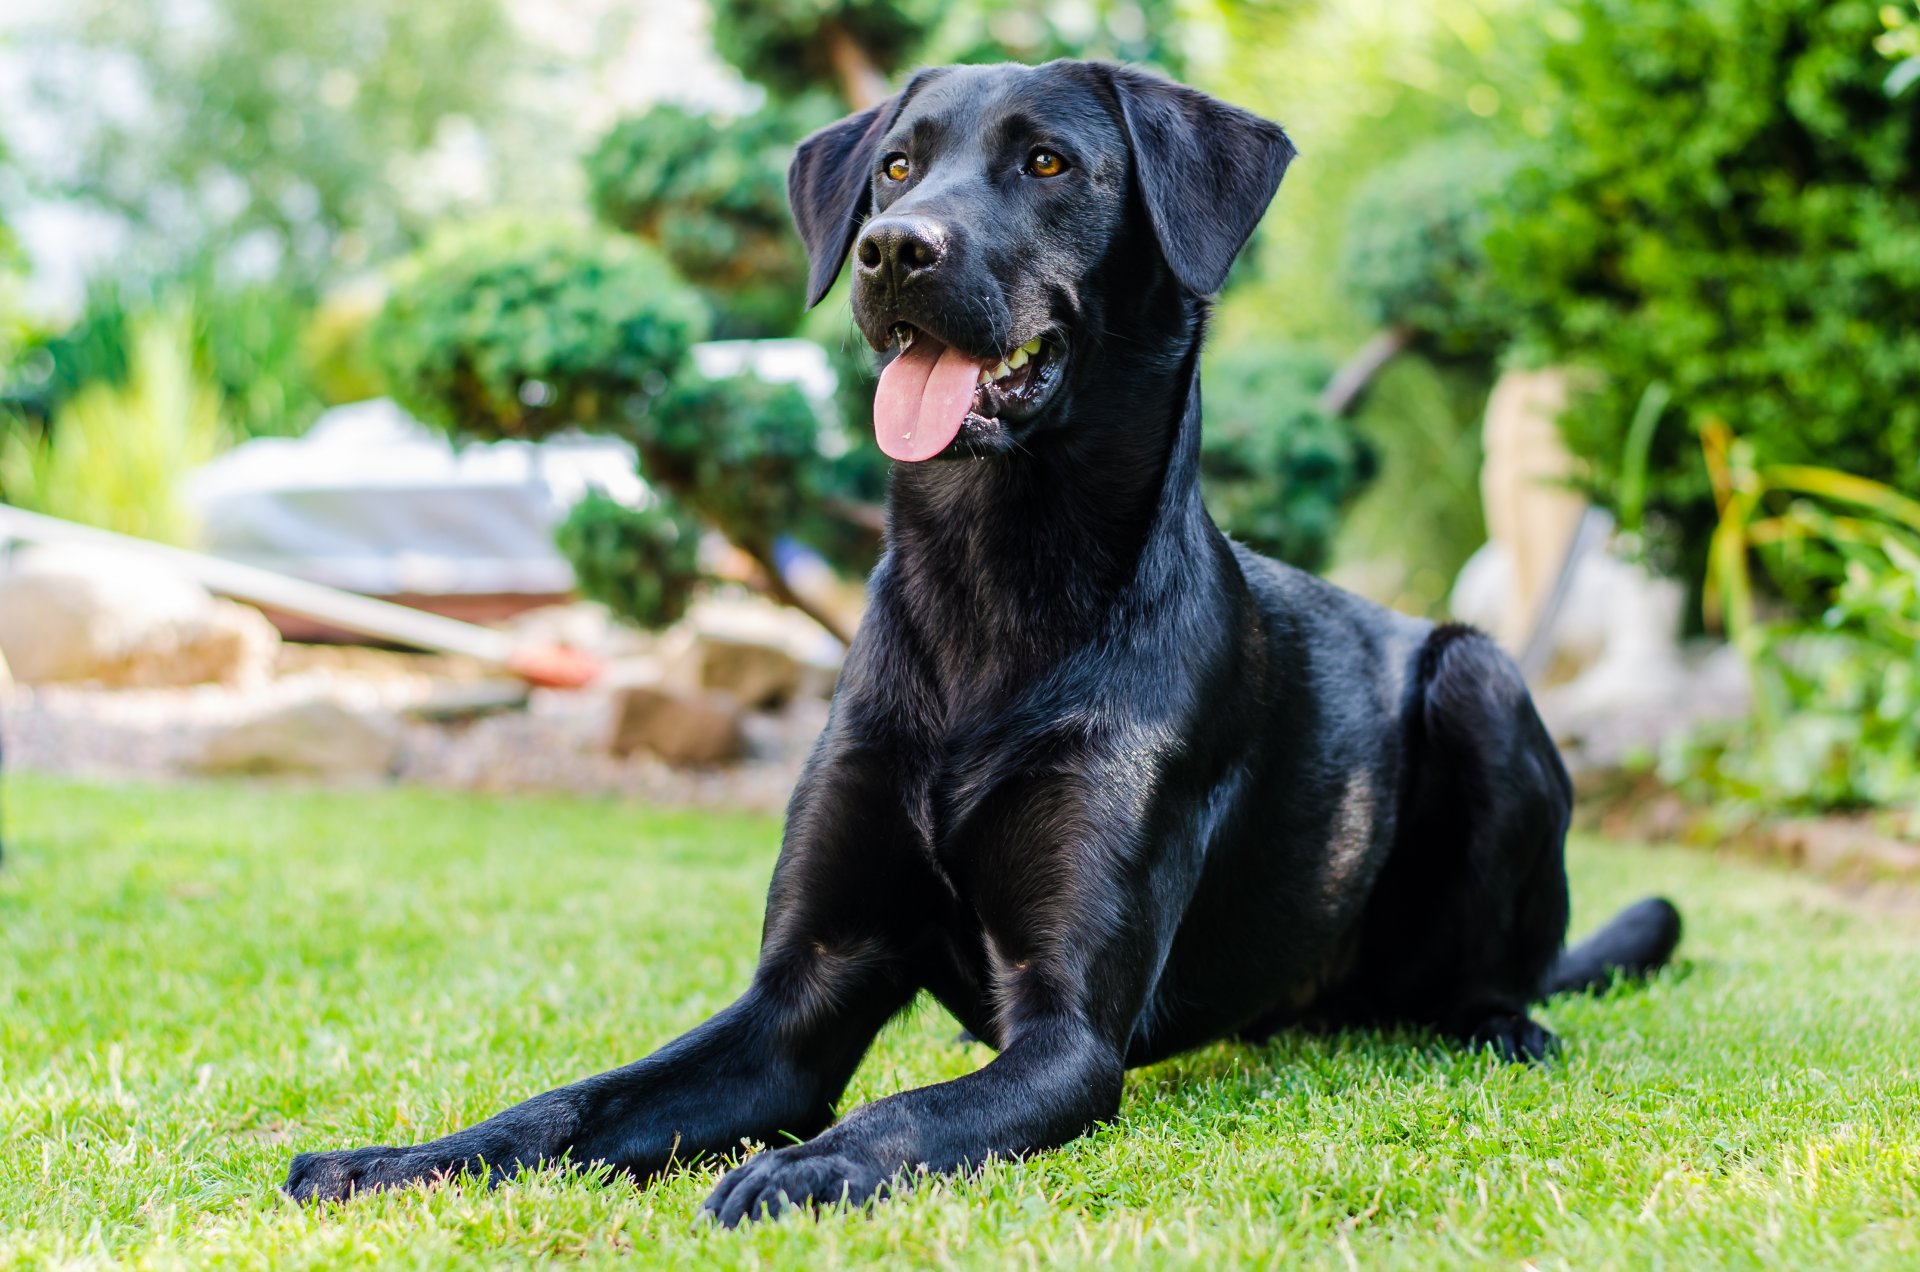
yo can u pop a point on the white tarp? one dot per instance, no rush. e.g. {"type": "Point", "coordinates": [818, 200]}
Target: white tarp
{"type": "Point", "coordinates": [373, 501]}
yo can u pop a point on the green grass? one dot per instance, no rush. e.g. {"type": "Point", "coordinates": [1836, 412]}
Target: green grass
{"type": "Point", "coordinates": [196, 983]}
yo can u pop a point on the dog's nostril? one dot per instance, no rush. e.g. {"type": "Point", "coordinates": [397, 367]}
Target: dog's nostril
{"type": "Point", "coordinates": [917, 253]}
{"type": "Point", "coordinates": [869, 253]}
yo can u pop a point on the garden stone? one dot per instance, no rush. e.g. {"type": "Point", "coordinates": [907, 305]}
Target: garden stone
{"type": "Point", "coordinates": [316, 738]}
{"type": "Point", "coordinates": [759, 675]}
{"type": "Point", "coordinates": [679, 727]}
{"type": "Point", "coordinates": [72, 614]}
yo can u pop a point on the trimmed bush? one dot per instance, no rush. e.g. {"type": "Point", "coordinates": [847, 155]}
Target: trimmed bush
{"type": "Point", "coordinates": [641, 563]}
{"type": "Point", "coordinates": [792, 46]}
{"type": "Point", "coordinates": [1413, 255]}
{"type": "Point", "coordinates": [522, 328]}
{"type": "Point", "coordinates": [711, 195]}
{"type": "Point", "coordinates": [1277, 470]}
{"type": "Point", "coordinates": [1728, 202]}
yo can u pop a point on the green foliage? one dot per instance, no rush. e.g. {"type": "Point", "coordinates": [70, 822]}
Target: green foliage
{"type": "Point", "coordinates": [1727, 202]}
{"type": "Point", "coordinates": [793, 46]}
{"type": "Point", "coordinates": [1901, 42]}
{"type": "Point", "coordinates": [513, 328]}
{"type": "Point", "coordinates": [1142, 31]}
{"type": "Point", "coordinates": [641, 563]}
{"type": "Point", "coordinates": [275, 124]}
{"type": "Point", "coordinates": [1836, 719]}
{"type": "Point", "coordinates": [115, 454]}
{"type": "Point", "coordinates": [711, 194]}
{"type": "Point", "coordinates": [245, 339]}
{"type": "Point", "coordinates": [1406, 536]}
{"type": "Point", "coordinates": [1413, 255]}
{"type": "Point", "coordinates": [753, 460]}
{"type": "Point", "coordinates": [1276, 469]}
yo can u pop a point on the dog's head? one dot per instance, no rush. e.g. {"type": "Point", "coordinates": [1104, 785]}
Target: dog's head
{"type": "Point", "coordinates": [995, 213]}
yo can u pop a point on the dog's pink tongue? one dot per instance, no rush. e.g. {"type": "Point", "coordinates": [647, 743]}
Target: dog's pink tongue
{"type": "Point", "coordinates": [923, 399]}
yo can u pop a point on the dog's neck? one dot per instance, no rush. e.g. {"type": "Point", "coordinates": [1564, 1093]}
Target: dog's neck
{"type": "Point", "coordinates": [1012, 562]}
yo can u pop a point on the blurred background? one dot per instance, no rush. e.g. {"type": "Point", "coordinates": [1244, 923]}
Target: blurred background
{"type": "Point", "coordinates": [1593, 322]}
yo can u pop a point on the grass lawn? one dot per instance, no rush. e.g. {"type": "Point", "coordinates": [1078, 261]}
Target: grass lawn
{"type": "Point", "coordinates": [197, 982]}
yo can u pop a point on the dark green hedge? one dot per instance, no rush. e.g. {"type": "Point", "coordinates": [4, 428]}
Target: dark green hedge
{"type": "Point", "coordinates": [1728, 202]}
{"type": "Point", "coordinates": [521, 328]}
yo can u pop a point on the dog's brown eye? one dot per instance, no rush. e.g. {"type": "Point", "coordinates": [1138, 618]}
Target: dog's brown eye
{"type": "Point", "coordinates": [1044, 163]}
{"type": "Point", "coordinates": [897, 168]}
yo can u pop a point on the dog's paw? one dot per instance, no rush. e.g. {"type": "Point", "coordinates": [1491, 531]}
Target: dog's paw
{"type": "Point", "coordinates": [337, 1176]}
{"type": "Point", "coordinates": [799, 1175]}
{"type": "Point", "coordinates": [1515, 1038]}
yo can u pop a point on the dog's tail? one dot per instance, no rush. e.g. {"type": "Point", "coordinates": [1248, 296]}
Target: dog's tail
{"type": "Point", "coordinates": [1636, 942]}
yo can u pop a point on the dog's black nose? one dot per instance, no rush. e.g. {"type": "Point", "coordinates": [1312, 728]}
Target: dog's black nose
{"type": "Point", "coordinates": [894, 248]}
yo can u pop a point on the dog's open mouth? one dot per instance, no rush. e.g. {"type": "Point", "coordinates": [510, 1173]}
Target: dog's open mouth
{"type": "Point", "coordinates": [930, 390]}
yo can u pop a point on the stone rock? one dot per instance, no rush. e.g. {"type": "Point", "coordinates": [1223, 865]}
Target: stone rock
{"type": "Point", "coordinates": [681, 728]}
{"type": "Point", "coordinates": [758, 675]}
{"type": "Point", "coordinates": [72, 614]}
{"type": "Point", "coordinates": [315, 738]}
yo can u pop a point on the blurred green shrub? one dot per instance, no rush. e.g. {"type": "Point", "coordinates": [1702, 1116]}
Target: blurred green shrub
{"type": "Point", "coordinates": [115, 455]}
{"type": "Point", "coordinates": [1276, 469]}
{"type": "Point", "coordinates": [711, 195]}
{"type": "Point", "coordinates": [755, 461]}
{"type": "Point", "coordinates": [641, 563]}
{"type": "Point", "coordinates": [1728, 201]}
{"type": "Point", "coordinates": [792, 46]}
{"type": "Point", "coordinates": [1413, 254]}
{"type": "Point", "coordinates": [245, 338]}
{"type": "Point", "coordinates": [514, 328]}
{"type": "Point", "coordinates": [1836, 717]}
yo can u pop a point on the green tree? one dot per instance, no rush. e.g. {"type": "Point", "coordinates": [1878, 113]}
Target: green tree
{"type": "Point", "coordinates": [711, 194]}
{"type": "Point", "coordinates": [1277, 469]}
{"type": "Point", "coordinates": [1728, 204]}
{"type": "Point", "coordinates": [518, 328]}
{"type": "Point", "coordinates": [272, 130]}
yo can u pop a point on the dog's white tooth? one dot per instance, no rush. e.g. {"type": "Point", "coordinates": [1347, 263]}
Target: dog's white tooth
{"type": "Point", "coordinates": [986, 376]}
{"type": "Point", "coordinates": [1032, 346]}
{"type": "Point", "coordinates": [1018, 358]}
{"type": "Point", "coordinates": [1002, 371]}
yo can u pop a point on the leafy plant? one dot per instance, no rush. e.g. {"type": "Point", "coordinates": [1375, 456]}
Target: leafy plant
{"type": "Point", "coordinates": [1277, 470]}
{"type": "Point", "coordinates": [641, 563]}
{"type": "Point", "coordinates": [711, 195]}
{"type": "Point", "coordinates": [115, 455]}
{"type": "Point", "coordinates": [1413, 255]}
{"type": "Point", "coordinates": [1727, 201]}
{"type": "Point", "coordinates": [1836, 718]}
{"type": "Point", "coordinates": [513, 328]}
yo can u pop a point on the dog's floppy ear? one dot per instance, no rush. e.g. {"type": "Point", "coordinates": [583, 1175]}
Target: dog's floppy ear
{"type": "Point", "coordinates": [1206, 171]}
{"type": "Point", "coordinates": [830, 186]}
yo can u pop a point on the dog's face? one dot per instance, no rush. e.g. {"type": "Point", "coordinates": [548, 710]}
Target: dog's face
{"type": "Point", "coordinates": [994, 213]}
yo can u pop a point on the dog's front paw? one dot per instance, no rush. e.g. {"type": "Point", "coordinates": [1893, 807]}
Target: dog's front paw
{"type": "Point", "coordinates": [337, 1176]}
{"type": "Point", "coordinates": [799, 1175]}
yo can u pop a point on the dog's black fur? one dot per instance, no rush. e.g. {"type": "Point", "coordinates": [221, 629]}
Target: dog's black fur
{"type": "Point", "coordinates": [1105, 783]}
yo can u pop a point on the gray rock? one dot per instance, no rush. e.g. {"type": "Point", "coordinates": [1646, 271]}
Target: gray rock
{"type": "Point", "coordinates": [680, 727]}
{"type": "Point", "coordinates": [74, 615]}
{"type": "Point", "coordinates": [317, 738]}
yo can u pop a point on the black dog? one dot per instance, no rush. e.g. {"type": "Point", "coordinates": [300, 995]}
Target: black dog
{"type": "Point", "coordinates": [1106, 784]}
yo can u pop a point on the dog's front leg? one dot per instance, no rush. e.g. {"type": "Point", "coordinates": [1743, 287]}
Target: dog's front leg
{"type": "Point", "coordinates": [1074, 929]}
{"type": "Point", "coordinates": [753, 1071]}
{"type": "Point", "coordinates": [835, 963]}
{"type": "Point", "coordinates": [1056, 1079]}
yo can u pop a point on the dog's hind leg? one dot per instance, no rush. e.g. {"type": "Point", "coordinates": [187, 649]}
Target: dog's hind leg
{"type": "Point", "coordinates": [835, 964]}
{"type": "Point", "coordinates": [1471, 907]}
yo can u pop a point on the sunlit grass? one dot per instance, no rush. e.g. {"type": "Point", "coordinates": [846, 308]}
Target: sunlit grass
{"type": "Point", "coordinates": [196, 983]}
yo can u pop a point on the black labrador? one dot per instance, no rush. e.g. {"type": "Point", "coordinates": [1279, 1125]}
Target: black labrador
{"type": "Point", "coordinates": [1105, 783]}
